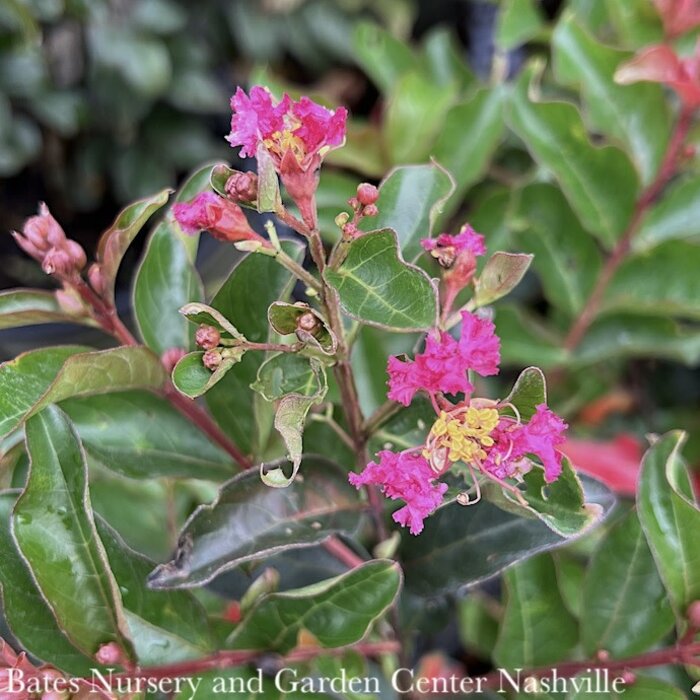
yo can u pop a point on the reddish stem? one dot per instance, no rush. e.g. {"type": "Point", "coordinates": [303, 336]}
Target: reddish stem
{"type": "Point", "coordinates": [666, 171]}
{"type": "Point", "coordinates": [343, 553]}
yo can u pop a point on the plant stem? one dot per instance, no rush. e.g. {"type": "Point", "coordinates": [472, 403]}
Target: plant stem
{"type": "Point", "coordinates": [678, 654]}
{"type": "Point", "coordinates": [667, 170]}
{"type": "Point", "coordinates": [380, 416]}
{"type": "Point", "coordinates": [343, 553]}
{"type": "Point", "coordinates": [298, 271]}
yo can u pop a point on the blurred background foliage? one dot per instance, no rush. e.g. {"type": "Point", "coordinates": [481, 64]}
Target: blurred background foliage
{"type": "Point", "coordinates": [103, 101]}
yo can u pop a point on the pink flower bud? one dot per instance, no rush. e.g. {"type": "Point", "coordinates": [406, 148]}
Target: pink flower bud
{"type": "Point", "coordinates": [354, 202]}
{"type": "Point", "coordinates": [96, 278]}
{"type": "Point", "coordinates": [367, 194]}
{"type": "Point", "coordinates": [628, 677]}
{"type": "Point", "coordinates": [242, 186]}
{"type": "Point", "coordinates": [77, 254]}
{"type": "Point", "coordinates": [110, 654]}
{"type": "Point", "coordinates": [171, 357]}
{"type": "Point", "coordinates": [57, 262]}
{"type": "Point", "coordinates": [207, 337]}
{"type": "Point", "coordinates": [694, 614]}
{"type": "Point", "coordinates": [307, 322]}
{"type": "Point", "coordinates": [212, 359]}
{"type": "Point", "coordinates": [370, 210]}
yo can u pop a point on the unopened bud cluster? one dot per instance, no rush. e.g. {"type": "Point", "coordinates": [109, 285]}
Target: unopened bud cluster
{"type": "Point", "coordinates": [209, 338]}
{"type": "Point", "coordinates": [363, 204]}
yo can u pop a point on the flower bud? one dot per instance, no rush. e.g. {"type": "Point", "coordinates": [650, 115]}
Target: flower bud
{"type": "Point", "coordinates": [57, 262]}
{"type": "Point", "coordinates": [354, 202]}
{"type": "Point", "coordinates": [307, 322]}
{"type": "Point", "coordinates": [96, 278]}
{"type": "Point", "coordinates": [207, 337]}
{"type": "Point", "coordinates": [110, 654]}
{"type": "Point", "coordinates": [367, 194]}
{"type": "Point", "coordinates": [242, 187]}
{"type": "Point", "coordinates": [370, 210]}
{"type": "Point", "coordinates": [77, 254]}
{"type": "Point", "coordinates": [628, 677]}
{"type": "Point", "coordinates": [212, 359]}
{"type": "Point", "coordinates": [694, 614]}
{"type": "Point", "coordinates": [350, 230]}
{"type": "Point", "coordinates": [171, 357]}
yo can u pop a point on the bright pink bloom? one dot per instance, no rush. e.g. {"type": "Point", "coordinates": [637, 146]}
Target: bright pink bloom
{"type": "Point", "coordinates": [660, 64]}
{"type": "Point", "coordinates": [442, 367]}
{"type": "Point", "coordinates": [408, 477]}
{"type": "Point", "coordinates": [678, 16]}
{"type": "Point", "coordinates": [466, 241]}
{"type": "Point", "coordinates": [515, 441]}
{"type": "Point", "coordinates": [222, 218]}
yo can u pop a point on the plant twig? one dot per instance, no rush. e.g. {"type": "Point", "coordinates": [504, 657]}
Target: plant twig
{"type": "Point", "coordinates": [380, 416]}
{"type": "Point", "coordinates": [666, 171]}
{"type": "Point", "coordinates": [342, 552]}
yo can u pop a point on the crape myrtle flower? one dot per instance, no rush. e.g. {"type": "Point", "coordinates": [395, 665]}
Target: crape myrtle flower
{"type": "Point", "coordinates": [296, 134]}
{"type": "Point", "coordinates": [442, 367]}
{"type": "Point", "coordinates": [225, 220]}
{"type": "Point", "coordinates": [661, 64]}
{"type": "Point", "coordinates": [678, 16]}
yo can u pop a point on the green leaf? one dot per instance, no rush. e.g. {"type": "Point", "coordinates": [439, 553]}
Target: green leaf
{"type": "Point", "coordinates": [269, 198]}
{"type": "Point", "coordinates": [501, 274]}
{"type": "Point", "coordinates": [465, 545]}
{"type": "Point", "coordinates": [410, 200]}
{"type": "Point", "coordinates": [627, 609]}
{"type": "Point", "coordinates": [49, 375]}
{"type": "Point", "coordinates": [518, 22]}
{"type": "Point", "coordinates": [478, 625]}
{"type": "Point", "coordinates": [29, 618]}
{"type": "Point", "coordinates": [377, 287]}
{"type": "Point", "coordinates": [27, 307]}
{"type": "Point", "coordinates": [632, 335]}
{"type": "Point", "coordinates": [166, 626]}
{"type": "Point", "coordinates": [383, 57]}
{"type": "Point", "coordinates": [556, 137]}
{"type": "Point", "coordinates": [670, 519]}
{"type": "Point", "coordinates": [54, 529]}
{"type": "Point", "coordinates": [225, 534]}
{"type": "Point", "coordinates": [284, 319]}
{"type": "Point", "coordinates": [140, 435]}
{"type": "Point", "coordinates": [643, 688]}
{"type": "Point", "coordinates": [528, 392]}
{"type": "Point", "coordinates": [415, 112]}
{"type": "Point", "coordinates": [675, 215]}
{"type": "Point", "coordinates": [204, 314]}
{"type": "Point", "coordinates": [636, 115]}
{"type": "Point", "coordinates": [469, 137]}
{"type": "Point", "coordinates": [117, 238]}
{"type": "Point", "coordinates": [662, 281]}
{"type": "Point", "coordinates": [537, 628]}
{"type": "Point", "coordinates": [444, 61]}
{"type": "Point", "coordinates": [337, 612]}
{"type": "Point", "coordinates": [567, 259]}
{"type": "Point", "coordinates": [636, 23]}
{"type": "Point", "coordinates": [193, 379]}
{"type": "Point", "coordinates": [256, 282]}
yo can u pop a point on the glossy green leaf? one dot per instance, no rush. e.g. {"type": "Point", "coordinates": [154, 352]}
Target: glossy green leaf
{"type": "Point", "coordinates": [518, 22]}
{"type": "Point", "coordinates": [250, 521]}
{"type": "Point", "coordinates": [118, 237]}
{"type": "Point", "coordinates": [193, 379]}
{"type": "Point", "coordinates": [537, 628]}
{"type": "Point", "coordinates": [670, 519]}
{"type": "Point", "coordinates": [284, 318]}
{"type": "Point", "coordinates": [465, 545]}
{"type": "Point", "coordinates": [501, 274]}
{"type": "Point", "coordinates": [633, 335]}
{"type": "Point", "coordinates": [627, 609]}
{"type": "Point", "coordinates": [528, 392]}
{"type": "Point", "coordinates": [256, 282]}
{"type": "Point", "coordinates": [410, 200]}
{"type": "Point", "coordinates": [49, 375]}
{"type": "Point", "coordinates": [675, 215]}
{"type": "Point", "coordinates": [203, 314]}
{"type": "Point", "coordinates": [54, 529]}
{"type": "Point", "coordinates": [337, 612]}
{"type": "Point", "coordinates": [662, 281]}
{"type": "Point", "coordinates": [643, 688]}
{"type": "Point", "coordinates": [471, 133]}
{"type": "Point", "coordinates": [141, 435]}
{"type": "Point", "coordinates": [567, 259]}
{"type": "Point", "coordinates": [636, 115]}
{"type": "Point", "coordinates": [383, 57]}
{"type": "Point", "coordinates": [377, 287]}
{"type": "Point", "coordinates": [555, 136]}
{"type": "Point", "coordinates": [414, 115]}
{"type": "Point", "coordinates": [444, 60]}
{"type": "Point", "coordinates": [26, 613]}
{"type": "Point", "coordinates": [27, 307]}
{"type": "Point", "coordinates": [636, 23]}
{"type": "Point", "coordinates": [166, 626]}
{"type": "Point", "coordinates": [478, 625]}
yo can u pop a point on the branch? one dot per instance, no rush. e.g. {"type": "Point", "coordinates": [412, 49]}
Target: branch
{"type": "Point", "coordinates": [667, 170]}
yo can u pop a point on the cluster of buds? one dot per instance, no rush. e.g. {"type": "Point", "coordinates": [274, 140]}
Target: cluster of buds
{"type": "Point", "coordinates": [209, 338]}
{"type": "Point", "coordinates": [489, 437]}
{"type": "Point", "coordinates": [242, 187]}
{"type": "Point", "coordinates": [43, 238]}
{"type": "Point", "coordinates": [364, 203]}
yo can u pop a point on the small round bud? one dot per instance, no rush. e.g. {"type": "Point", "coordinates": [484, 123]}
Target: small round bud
{"type": "Point", "coordinates": [342, 219]}
{"type": "Point", "coordinates": [354, 202]}
{"type": "Point", "coordinates": [307, 322]}
{"type": "Point", "coordinates": [212, 359]}
{"type": "Point", "coordinates": [242, 187]}
{"type": "Point", "coordinates": [370, 210]}
{"type": "Point", "coordinates": [207, 337]}
{"type": "Point", "coordinates": [109, 654]}
{"type": "Point", "coordinates": [77, 254]}
{"type": "Point", "coordinates": [171, 357]}
{"type": "Point", "coordinates": [57, 262]}
{"type": "Point", "coordinates": [233, 612]}
{"type": "Point", "coordinates": [603, 655]}
{"type": "Point", "coordinates": [694, 614]}
{"type": "Point", "coordinates": [628, 678]}
{"type": "Point", "coordinates": [96, 278]}
{"type": "Point", "coordinates": [367, 194]}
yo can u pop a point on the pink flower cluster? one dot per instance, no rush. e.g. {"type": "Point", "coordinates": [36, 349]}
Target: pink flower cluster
{"type": "Point", "coordinates": [406, 476]}
{"type": "Point", "coordinates": [302, 127]}
{"type": "Point", "coordinates": [442, 367]}
{"type": "Point", "coordinates": [466, 241]}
